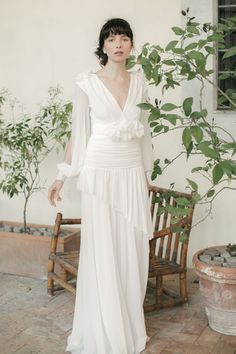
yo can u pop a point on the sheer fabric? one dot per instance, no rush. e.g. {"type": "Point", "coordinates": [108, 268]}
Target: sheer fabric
{"type": "Point", "coordinates": [111, 151]}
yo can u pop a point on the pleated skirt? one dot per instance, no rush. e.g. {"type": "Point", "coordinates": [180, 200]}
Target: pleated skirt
{"type": "Point", "coordinates": [114, 254]}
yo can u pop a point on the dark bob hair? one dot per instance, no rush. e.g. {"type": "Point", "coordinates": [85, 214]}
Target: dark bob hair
{"type": "Point", "coordinates": [112, 26]}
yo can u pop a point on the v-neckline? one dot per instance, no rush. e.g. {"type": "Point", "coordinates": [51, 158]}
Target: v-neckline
{"type": "Point", "coordinates": [112, 96]}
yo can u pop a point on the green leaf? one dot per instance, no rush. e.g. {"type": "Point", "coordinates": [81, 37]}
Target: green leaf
{"type": "Point", "coordinates": [158, 128]}
{"type": "Point", "coordinates": [215, 38]}
{"type": "Point", "coordinates": [199, 58]}
{"type": "Point", "coordinates": [177, 211]}
{"type": "Point", "coordinates": [169, 62]}
{"type": "Point", "coordinates": [195, 115]}
{"type": "Point", "coordinates": [193, 29]}
{"type": "Point", "coordinates": [196, 169]}
{"type": "Point", "coordinates": [201, 43]}
{"type": "Point", "coordinates": [191, 46]}
{"type": "Point", "coordinates": [172, 118]}
{"type": "Point", "coordinates": [178, 50]}
{"type": "Point", "coordinates": [166, 161]}
{"type": "Point", "coordinates": [154, 56]}
{"type": "Point", "coordinates": [186, 137]}
{"type": "Point", "coordinates": [168, 107]}
{"type": "Point", "coordinates": [154, 115]}
{"type": "Point", "coordinates": [187, 106]}
{"type": "Point", "coordinates": [178, 31]}
{"type": "Point", "coordinates": [229, 146]}
{"type": "Point", "coordinates": [207, 151]}
{"type": "Point", "coordinates": [182, 201]}
{"type": "Point", "coordinates": [194, 54]}
{"type": "Point", "coordinates": [145, 106]}
{"type": "Point", "coordinates": [217, 173]}
{"type": "Point", "coordinates": [224, 76]}
{"type": "Point", "coordinates": [210, 193]}
{"type": "Point", "coordinates": [227, 167]}
{"type": "Point", "coordinates": [189, 149]}
{"type": "Point", "coordinates": [153, 124]}
{"type": "Point", "coordinates": [192, 184]}
{"type": "Point", "coordinates": [197, 133]}
{"type": "Point", "coordinates": [204, 113]}
{"type": "Point", "coordinates": [210, 50]}
{"type": "Point", "coordinates": [230, 52]}
{"type": "Point", "coordinates": [171, 45]}
{"type": "Point", "coordinates": [156, 75]}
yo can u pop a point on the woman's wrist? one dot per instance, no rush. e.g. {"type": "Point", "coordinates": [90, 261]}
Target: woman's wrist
{"type": "Point", "coordinates": [60, 176]}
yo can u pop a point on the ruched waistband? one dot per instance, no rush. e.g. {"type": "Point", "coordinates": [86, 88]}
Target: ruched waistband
{"type": "Point", "coordinates": [103, 152]}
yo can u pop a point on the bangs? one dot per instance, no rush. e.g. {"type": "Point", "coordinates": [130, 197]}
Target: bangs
{"type": "Point", "coordinates": [117, 30]}
{"type": "Point", "coordinates": [116, 26]}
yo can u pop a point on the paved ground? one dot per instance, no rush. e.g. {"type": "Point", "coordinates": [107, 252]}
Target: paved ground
{"type": "Point", "coordinates": [32, 322]}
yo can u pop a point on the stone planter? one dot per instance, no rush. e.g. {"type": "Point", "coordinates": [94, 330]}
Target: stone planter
{"type": "Point", "coordinates": [27, 255]}
{"type": "Point", "coordinates": [218, 288]}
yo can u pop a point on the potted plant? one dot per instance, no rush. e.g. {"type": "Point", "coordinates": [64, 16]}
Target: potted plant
{"type": "Point", "coordinates": [216, 268]}
{"type": "Point", "coordinates": [186, 59]}
{"type": "Point", "coordinates": [24, 144]}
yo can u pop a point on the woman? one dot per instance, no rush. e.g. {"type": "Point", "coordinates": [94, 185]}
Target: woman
{"type": "Point", "coordinates": [110, 150]}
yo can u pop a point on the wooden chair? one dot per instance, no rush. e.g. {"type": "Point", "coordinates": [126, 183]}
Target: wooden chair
{"type": "Point", "coordinates": [67, 261]}
{"type": "Point", "coordinates": [167, 254]}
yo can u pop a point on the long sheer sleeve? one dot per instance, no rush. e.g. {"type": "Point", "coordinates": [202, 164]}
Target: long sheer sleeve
{"type": "Point", "coordinates": [146, 142]}
{"type": "Point", "coordinates": [81, 131]}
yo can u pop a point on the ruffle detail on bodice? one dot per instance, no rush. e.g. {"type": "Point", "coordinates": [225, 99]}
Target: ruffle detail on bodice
{"type": "Point", "coordinates": [121, 131]}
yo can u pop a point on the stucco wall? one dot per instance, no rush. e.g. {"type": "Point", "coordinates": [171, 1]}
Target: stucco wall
{"type": "Point", "coordinates": [49, 42]}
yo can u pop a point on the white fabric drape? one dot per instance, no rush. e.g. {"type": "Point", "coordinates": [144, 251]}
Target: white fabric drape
{"type": "Point", "coordinates": [111, 151]}
{"type": "Point", "coordinates": [81, 130]}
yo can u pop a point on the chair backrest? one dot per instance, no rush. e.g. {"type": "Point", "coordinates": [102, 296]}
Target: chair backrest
{"type": "Point", "coordinates": [172, 214]}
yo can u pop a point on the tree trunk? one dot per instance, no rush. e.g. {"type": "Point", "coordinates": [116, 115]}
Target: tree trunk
{"type": "Point", "coordinates": [24, 214]}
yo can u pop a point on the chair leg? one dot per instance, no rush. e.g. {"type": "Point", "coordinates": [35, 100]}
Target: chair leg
{"type": "Point", "coordinates": [50, 285]}
{"type": "Point", "coordinates": [159, 291]}
{"type": "Point", "coordinates": [53, 247]}
{"type": "Point", "coordinates": [183, 286]}
{"type": "Point", "coordinates": [63, 274]}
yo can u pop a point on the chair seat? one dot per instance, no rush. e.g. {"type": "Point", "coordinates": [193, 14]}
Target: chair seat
{"type": "Point", "coordinates": [161, 266]}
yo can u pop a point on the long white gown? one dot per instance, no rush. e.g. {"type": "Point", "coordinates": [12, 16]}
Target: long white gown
{"type": "Point", "coordinates": [111, 151]}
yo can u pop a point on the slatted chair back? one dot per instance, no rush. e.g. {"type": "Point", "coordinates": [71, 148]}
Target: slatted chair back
{"type": "Point", "coordinates": [166, 243]}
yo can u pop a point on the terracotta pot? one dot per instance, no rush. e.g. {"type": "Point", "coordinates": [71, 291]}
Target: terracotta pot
{"type": "Point", "coordinates": [218, 288]}
{"type": "Point", "coordinates": [27, 255]}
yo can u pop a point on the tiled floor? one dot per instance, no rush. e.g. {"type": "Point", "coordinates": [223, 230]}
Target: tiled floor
{"type": "Point", "coordinates": [32, 322]}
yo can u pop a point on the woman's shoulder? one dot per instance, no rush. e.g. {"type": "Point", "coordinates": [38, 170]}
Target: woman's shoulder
{"type": "Point", "coordinates": [83, 76]}
{"type": "Point", "coordinates": [139, 73]}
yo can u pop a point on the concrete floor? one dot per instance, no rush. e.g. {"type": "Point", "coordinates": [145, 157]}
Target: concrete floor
{"type": "Point", "coordinates": [32, 322]}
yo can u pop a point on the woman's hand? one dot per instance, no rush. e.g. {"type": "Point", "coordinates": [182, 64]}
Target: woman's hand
{"type": "Point", "coordinates": [54, 192]}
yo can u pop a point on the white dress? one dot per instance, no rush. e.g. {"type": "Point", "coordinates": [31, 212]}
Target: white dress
{"type": "Point", "coordinates": [111, 150]}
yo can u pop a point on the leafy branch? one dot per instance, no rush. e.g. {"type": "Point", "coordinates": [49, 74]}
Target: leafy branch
{"type": "Point", "coordinates": [186, 59]}
{"type": "Point", "coordinates": [27, 141]}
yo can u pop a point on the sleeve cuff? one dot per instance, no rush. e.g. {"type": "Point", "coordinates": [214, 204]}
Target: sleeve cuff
{"type": "Point", "coordinates": [60, 176]}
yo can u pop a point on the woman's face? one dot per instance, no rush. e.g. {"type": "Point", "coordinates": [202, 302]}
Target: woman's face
{"type": "Point", "coordinates": [117, 47]}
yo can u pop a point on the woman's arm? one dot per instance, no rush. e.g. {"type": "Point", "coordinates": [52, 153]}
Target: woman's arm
{"type": "Point", "coordinates": [76, 147]}
{"type": "Point", "coordinates": [54, 190]}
